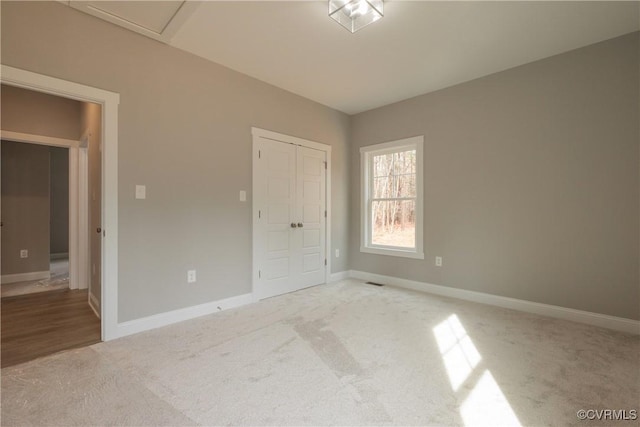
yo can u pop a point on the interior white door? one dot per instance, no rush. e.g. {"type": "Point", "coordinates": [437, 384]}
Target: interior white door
{"type": "Point", "coordinates": [310, 206]}
{"type": "Point", "coordinates": [290, 228]}
{"type": "Point", "coordinates": [275, 196]}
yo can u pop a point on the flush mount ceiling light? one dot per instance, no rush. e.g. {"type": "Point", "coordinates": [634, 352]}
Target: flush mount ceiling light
{"type": "Point", "coordinates": [355, 14]}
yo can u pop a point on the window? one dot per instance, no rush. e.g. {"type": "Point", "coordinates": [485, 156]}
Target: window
{"type": "Point", "coordinates": [392, 198]}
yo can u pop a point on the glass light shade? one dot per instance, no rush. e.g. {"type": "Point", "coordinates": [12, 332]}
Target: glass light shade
{"type": "Point", "coordinates": [355, 14]}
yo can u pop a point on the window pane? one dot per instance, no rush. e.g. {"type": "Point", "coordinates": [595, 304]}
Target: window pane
{"type": "Point", "coordinates": [394, 175]}
{"type": "Point", "coordinates": [404, 185]}
{"type": "Point", "coordinates": [381, 187]}
{"type": "Point", "coordinates": [404, 161]}
{"type": "Point", "coordinates": [382, 165]}
{"type": "Point", "coordinates": [394, 223]}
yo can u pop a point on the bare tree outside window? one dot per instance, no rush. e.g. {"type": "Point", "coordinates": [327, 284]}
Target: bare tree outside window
{"type": "Point", "coordinates": [393, 208]}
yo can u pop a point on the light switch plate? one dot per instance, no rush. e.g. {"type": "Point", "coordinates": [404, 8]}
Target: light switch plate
{"type": "Point", "coordinates": [243, 196]}
{"type": "Point", "coordinates": [141, 192]}
{"type": "Point", "coordinates": [191, 276]}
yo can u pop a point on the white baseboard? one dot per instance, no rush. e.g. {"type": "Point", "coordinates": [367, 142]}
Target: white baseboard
{"type": "Point", "coordinates": [94, 304]}
{"type": "Point", "coordinates": [596, 319]}
{"type": "Point", "coordinates": [341, 275]}
{"type": "Point", "coordinates": [163, 319]}
{"type": "Point", "coordinates": [24, 277]}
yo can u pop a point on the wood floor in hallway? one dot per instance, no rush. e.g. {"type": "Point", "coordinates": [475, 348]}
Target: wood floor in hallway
{"type": "Point", "coordinates": [45, 323]}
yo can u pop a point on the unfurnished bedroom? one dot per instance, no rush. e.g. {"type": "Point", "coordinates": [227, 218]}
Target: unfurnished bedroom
{"type": "Point", "coordinates": [341, 212]}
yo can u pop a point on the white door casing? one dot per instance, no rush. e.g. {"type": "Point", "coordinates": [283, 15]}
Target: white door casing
{"type": "Point", "coordinates": [290, 229]}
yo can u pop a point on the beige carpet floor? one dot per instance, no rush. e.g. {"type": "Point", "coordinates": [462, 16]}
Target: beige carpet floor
{"type": "Point", "coordinates": [340, 354]}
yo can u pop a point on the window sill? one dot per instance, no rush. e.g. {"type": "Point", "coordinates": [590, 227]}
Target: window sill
{"type": "Point", "coordinates": [392, 252]}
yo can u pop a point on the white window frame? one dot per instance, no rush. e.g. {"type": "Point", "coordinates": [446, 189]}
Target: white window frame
{"type": "Point", "coordinates": [366, 164]}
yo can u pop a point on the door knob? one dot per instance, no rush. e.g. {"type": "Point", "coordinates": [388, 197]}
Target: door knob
{"type": "Point", "coordinates": [293, 225]}
{"type": "Point", "coordinates": [99, 230]}
{"type": "Point", "coordinates": [299, 225]}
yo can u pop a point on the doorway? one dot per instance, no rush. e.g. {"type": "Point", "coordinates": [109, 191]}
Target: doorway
{"type": "Point", "coordinates": [47, 214]}
{"type": "Point", "coordinates": [35, 218]}
{"type": "Point", "coordinates": [40, 317]}
{"type": "Point", "coordinates": [290, 200]}
{"type": "Point", "coordinates": [109, 102]}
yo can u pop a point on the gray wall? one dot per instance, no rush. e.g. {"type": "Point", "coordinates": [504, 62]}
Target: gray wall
{"type": "Point", "coordinates": [531, 181]}
{"type": "Point", "coordinates": [59, 200]}
{"type": "Point", "coordinates": [184, 132]}
{"type": "Point", "coordinates": [91, 123]}
{"type": "Point", "coordinates": [57, 117]}
{"type": "Point", "coordinates": [25, 207]}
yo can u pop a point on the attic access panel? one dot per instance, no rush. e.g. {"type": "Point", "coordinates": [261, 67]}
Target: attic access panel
{"type": "Point", "coordinates": [159, 20]}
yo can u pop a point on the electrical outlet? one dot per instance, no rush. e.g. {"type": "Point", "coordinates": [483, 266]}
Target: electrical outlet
{"type": "Point", "coordinates": [337, 253]}
{"type": "Point", "coordinates": [438, 261]}
{"type": "Point", "coordinates": [24, 253]}
{"type": "Point", "coordinates": [191, 276]}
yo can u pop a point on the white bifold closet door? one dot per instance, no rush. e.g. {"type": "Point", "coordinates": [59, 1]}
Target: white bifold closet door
{"type": "Point", "coordinates": [291, 224]}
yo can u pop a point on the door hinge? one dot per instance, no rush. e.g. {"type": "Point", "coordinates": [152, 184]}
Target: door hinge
{"type": "Point", "coordinates": [259, 154]}
{"type": "Point", "coordinates": [325, 261]}
{"type": "Point", "coordinates": [325, 165]}
{"type": "Point", "coordinates": [325, 214]}
{"type": "Point", "coordinates": [259, 274]}
{"type": "Point", "coordinates": [259, 214]}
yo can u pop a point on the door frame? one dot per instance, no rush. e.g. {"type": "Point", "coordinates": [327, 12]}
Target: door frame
{"type": "Point", "coordinates": [287, 139]}
{"type": "Point", "coordinates": [109, 102]}
{"type": "Point", "coordinates": [84, 264]}
{"type": "Point", "coordinates": [78, 235]}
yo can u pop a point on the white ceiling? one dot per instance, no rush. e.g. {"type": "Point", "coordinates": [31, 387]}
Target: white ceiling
{"type": "Point", "coordinates": [418, 47]}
